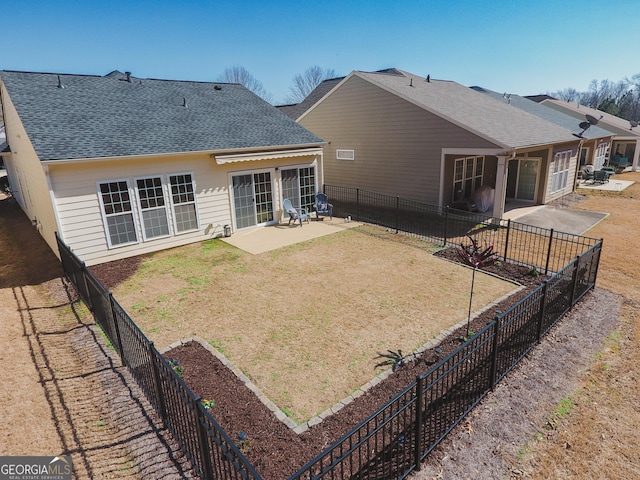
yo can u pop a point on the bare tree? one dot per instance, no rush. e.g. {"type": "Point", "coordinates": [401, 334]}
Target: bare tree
{"type": "Point", "coordinates": [304, 83]}
{"type": "Point", "coordinates": [567, 94]}
{"type": "Point", "coordinates": [242, 76]}
{"type": "Point", "coordinates": [617, 98]}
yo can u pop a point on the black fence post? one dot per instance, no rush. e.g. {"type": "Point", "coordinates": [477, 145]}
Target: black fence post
{"type": "Point", "coordinates": [546, 267]}
{"type": "Point", "coordinates": [506, 241]}
{"type": "Point", "coordinates": [418, 426]}
{"type": "Point", "coordinates": [446, 223]}
{"type": "Point", "coordinates": [202, 440]}
{"type": "Point", "coordinates": [397, 212]}
{"type": "Point", "coordinates": [156, 380]}
{"type": "Point", "coordinates": [595, 274]}
{"type": "Point", "coordinates": [574, 281]}
{"type": "Point", "coordinates": [357, 204]}
{"type": "Point", "coordinates": [116, 327]}
{"type": "Point", "coordinates": [543, 309]}
{"type": "Point", "coordinates": [494, 354]}
{"type": "Point", "coordinates": [88, 300]}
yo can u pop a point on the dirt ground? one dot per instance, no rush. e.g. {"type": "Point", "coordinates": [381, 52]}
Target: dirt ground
{"type": "Point", "coordinates": [62, 391]}
{"type": "Point", "coordinates": [568, 411]}
{"type": "Point", "coordinates": [577, 416]}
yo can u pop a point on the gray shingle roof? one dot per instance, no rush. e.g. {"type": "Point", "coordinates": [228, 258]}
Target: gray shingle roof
{"type": "Point", "coordinates": [297, 109]}
{"type": "Point", "coordinates": [491, 119]}
{"type": "Point", "coordinates": [107, 116]}
{"type": "Point", "coordinates": [567, 121]}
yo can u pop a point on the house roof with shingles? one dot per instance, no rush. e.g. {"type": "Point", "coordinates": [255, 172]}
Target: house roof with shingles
{"type": "Point", "coordinates": [510, 128]}
{"type": "Point", "coordinates": [619, 125]}
{"type": "Point", "coordinates": [85, 116]}
{"type": "Point", "coordinates": [542, 111]}
{"type": "Point", "coordinates": [297, 109]}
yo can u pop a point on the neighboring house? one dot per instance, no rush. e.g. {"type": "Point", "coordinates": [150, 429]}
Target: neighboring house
{"type": "Point", "coordinates": [296, 109]}
{"type": "Point", "coordinates": [3, 150]}
{"type": "Point", "coordinates": [626, 143]}
{"type": "Point", "coordinates": [438, 142]}
{"type": "Point", "coordinates": [595, 141]}
{"type": "Point", "coordinates": [121, 166]}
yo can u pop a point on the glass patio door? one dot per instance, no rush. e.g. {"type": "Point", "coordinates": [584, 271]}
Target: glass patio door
{"type": "Point", "coordinates": [522, 179]}
{"type": "Point", "coordinates": [252, 199]}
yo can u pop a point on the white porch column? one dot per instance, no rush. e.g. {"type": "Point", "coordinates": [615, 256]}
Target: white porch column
{"type": "Point", "coordinates": [636, 156]}
{"type": "Point", "coordinates": [501, 186]}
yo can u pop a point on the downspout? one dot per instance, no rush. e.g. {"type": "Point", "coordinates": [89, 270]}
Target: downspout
{"type": "Point", "coordinates": [52, 199]}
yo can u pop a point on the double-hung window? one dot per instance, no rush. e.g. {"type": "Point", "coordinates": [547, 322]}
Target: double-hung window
{"type": "Point", "coordinates": [467, 176]}
{"type": "Point", "coordinates": [183, 202]}
{"type": "Point", "coordinates": [118, 212]}
{"type": "Point", "coordinates": [560, 170]}
{"type": "Point", "coordinates": [153, 210]}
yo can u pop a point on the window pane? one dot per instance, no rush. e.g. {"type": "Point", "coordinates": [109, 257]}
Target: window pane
{"type": "Point", "coordinates": [186, 218]}
{"type": "Point", "coordinates": [116, 208]}
{"type": "Point", "coordinates": [183, 200]}
{"type": "Point", "coordinates": [121, 229]}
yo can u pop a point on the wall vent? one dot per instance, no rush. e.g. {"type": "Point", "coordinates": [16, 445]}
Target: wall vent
{"type": "Point", "coordinates": [345, 154]}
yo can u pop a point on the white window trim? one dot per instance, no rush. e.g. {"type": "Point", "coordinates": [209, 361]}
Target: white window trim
{"type": "Point", "coordinates": [298, 167]}
{"type": "Point", "coordinates": [464, 172]}
{"type": "Point", "coordinates": [195, 202]}
{"type": "Point", "coordinates": [345, 154]}
{"type": "Point", "coordinates": [560, 178]}
{"type": "Point", "coordinates": [104, 216]}
{"type": "Point", "coordinates": [142, 210]}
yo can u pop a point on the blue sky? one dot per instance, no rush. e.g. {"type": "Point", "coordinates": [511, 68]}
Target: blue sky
{"type": "Point", "coordinates": [504, 45]}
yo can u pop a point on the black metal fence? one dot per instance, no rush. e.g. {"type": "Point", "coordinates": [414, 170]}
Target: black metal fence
{"type": "Point", "coordinates": [545, 249]}
{"type": "Point", "coordinates": [395, 439]}
{"type": "Point", "coordinates": [210, 450]}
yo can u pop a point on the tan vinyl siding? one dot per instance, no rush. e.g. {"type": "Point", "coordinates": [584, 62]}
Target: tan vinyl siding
{"type": "Point", "coordinates": [397, 144]}
{"type": "Point", "coordinates": [27, 176]}
{"type": "Point", "coordinates": [80, 212]}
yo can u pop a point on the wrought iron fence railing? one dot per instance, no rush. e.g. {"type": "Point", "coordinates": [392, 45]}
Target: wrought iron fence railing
{"type": "Point", "coordinates": [209, 449]}
{"type": "Point", "coordinates": [545, 249]}
{"type": "Point", "coordinates": [399, 435]}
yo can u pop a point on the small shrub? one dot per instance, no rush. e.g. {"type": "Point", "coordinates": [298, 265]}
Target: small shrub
{"type": "Point", "coordinates": [208, 404]}
{"type": "Point", "coordinates": [175, 364]}
{"type": "Point", "coordinates": [475, 256]}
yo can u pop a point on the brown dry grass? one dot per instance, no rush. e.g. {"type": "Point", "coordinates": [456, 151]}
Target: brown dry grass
{"type": "Point", "coordinates": [594, 432]}
{"type": "Point", "coordinates": [304, 322]}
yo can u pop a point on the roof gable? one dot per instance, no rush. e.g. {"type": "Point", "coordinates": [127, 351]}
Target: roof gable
{"type": "Point", "coordinates": [84, 116]}
{"type": "Point", "coordinates": [478, 113]}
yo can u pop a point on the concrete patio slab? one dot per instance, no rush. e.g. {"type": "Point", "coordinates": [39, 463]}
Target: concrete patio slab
{"type": "Point", "coordinates": [562, 219]}
{"type": "Point", "coordinates": [263, 239]}
{"type": "Point", "coordinates": [613, 185]}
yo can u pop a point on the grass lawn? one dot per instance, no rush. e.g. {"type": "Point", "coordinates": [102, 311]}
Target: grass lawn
{"type": "Point", "coordinates": [305, 322]}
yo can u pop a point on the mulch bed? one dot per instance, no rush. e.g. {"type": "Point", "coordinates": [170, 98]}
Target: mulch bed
{"type": "Point", "coordinates": [275, 450]}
